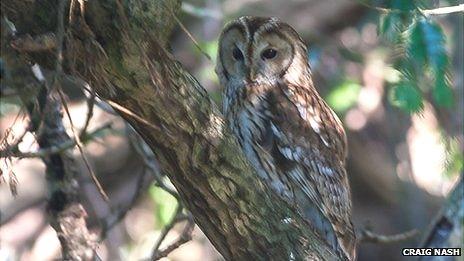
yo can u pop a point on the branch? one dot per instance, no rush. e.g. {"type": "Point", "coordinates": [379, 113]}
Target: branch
{"type": "Point", "coordinates": [110, 221]}
{"type": "Point", "coordinates": [444, 10]}
{"type": "Point", "coordinates": [80, 146]}
{"type": "Point", "coordinates": [166, 230]}
{"type": "Point", "coordinates": [149, 160]}
{"type": "Point", "coordinates": [447, 228]}
{"type": "Point", "coordinates": [186, 31]}
{"type": "Point", "coordinates": [68, 144]}
{"type": "Point", "coordinates": [90, 106]}
{"type": "Point", "coordinates": [371, 237]}
{"type": "Point", "coordinates": [184, 237]}
{"type": "Point", "coordinates": [425, 12]}
{"type": "Point", "coordinates": [6, 144]}
{"type": "Point", "coordinates": [65, 214]}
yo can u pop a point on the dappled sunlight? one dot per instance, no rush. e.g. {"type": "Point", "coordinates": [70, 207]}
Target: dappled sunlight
{"type": "Point", "coordinates": [355, 119]}
{"type": "Point", "coordinates": [370, 97]}
{"type": "Point", "coordinates": [428, 154]}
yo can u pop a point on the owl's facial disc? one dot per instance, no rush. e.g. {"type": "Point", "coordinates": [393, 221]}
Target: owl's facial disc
{"type": "Point", "coordinates": [271, 56]}
{"type": "Point", "coordinates": [233, 52]}
{"type": "Point", "coordinates": [264, 57]}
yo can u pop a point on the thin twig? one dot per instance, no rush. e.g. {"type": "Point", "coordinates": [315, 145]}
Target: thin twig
{"type": "Point", "coordinates": [166, 230]}
{"type": "Point", "coordinates": [13, 146]}
{"type": "Point", "coordinates": [81, 150]}
{"type": "Point", "coordinates": [59, 40]}
{"type": "Point", "coordinates": [54, 149]}
{"type": "Point", "coordinates": [65, 214]}
{"type": "Point", "coordinates": [148, 159]}
{"type": "Point", "coordinates": [140, 186]}
{"type": "Point", "coordinates": [184, 237]}
{"type": "Point", "coordinates": [57, 85]}
{"type": "Point", "coordinates": [380, 9]}
{"type": "Point", "coordinates": [118, 107]}
{"type": "Point", "coordinates": [90, 105]}
{"type": "Point", "coordinates": [425, 12]}
{"type": "Point", "coordinates": [197, 45]}
{"type": "Point", "coordinates": [444, 10]}
{"type": "Point", "coordinates": [132, 114]}
{"type": "Point", "coordinates": [371, 237]}
{"type": "Point", "coordinates": [9, 130]}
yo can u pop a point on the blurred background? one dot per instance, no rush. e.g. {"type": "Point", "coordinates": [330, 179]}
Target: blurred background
{"type": "Point", "coordinates": [394, 77]}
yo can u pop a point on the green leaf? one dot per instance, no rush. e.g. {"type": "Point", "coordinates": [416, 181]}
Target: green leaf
{"type": "Point", "coordinates": [406, 96]}
{"type": "Point", "coordinates": [344, 96]}
{"type": "Point", "coordinates": [416, 48]}
{"type": "Point", "coordinates": [390, 26]}
{"type": "Point", "coordinates": [407, 70]}
{"type": "Point", "coordinates": [442, 93]}
{"type": "Point", "coordinates": [427, 45]}
{"type": "Point", "coordinates": [454, 157]}
{"type": "Point", "coordinates": [435, 41]}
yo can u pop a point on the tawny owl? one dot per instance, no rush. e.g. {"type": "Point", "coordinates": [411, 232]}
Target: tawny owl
{"type": "Point", "coordinates": [290, 135]}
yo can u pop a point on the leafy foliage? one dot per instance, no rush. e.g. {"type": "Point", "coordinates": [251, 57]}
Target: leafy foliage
{"type": "Point", "coordinates": [390, 26]}
{"type": "Point", "coordinates": [344, 96]}
{"type": "Point", "coordinates": [455, 157]}
{"type": "Point", "coordinates": [442, 92]}
{"type": "Point", "coordinates": [406, 96]}
{"type": "Point", "coordinates": [424, 63]}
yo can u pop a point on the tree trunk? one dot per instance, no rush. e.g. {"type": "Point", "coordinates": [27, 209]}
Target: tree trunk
{"type": "Point", "coordinates": [447, 229]}
{"type": "Point", "coordinates": [120, 49]}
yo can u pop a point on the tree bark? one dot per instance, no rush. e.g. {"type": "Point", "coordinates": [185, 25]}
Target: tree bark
{"type": "Point", "coordinates": [65, 213]}
{"type": "Point", "coordinates": [120, 49]}
{"type": "Point", "coordinates": [447, 229]}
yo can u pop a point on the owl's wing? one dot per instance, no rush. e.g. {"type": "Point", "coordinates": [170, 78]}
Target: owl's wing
{"type": "Point", "coordinates": [310, 143]}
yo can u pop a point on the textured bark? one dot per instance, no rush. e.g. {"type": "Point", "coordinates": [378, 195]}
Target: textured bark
{"type": "Point", "coordinates": [65, 214]}
{"type": "Point", "coordinates": [447, 230]}
{"type": "Point", "coordinates": [43, 106]}
{"type": "Point", "coordinates": [119, 48]}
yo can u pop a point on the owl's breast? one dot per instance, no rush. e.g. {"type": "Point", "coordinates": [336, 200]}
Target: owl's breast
{"type": "Point", "coordinates": [249, 119]}
{"type": "Point", "coordinates": [247, 124]}
{"type": "Point", "coordinates": [250, 123]}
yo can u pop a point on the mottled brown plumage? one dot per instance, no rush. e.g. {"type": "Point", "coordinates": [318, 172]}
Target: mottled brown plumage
{"type": "Point", "coordinates": [290, 135]}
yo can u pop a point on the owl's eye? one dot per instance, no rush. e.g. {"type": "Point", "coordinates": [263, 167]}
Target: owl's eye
{"type": "Point", "coordinates": [268, 54]}
{"type": "Point", "coordinates": [237, 54]}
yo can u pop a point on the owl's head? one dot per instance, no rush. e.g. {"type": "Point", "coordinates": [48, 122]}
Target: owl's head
{"type": "Point", "coordinates": [260, 49]}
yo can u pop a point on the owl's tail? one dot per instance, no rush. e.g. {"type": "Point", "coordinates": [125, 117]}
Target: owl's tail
{"type": "Point", "coordinates": [340, 237]}
{"type": "Point", "coordinates": [347, 240]}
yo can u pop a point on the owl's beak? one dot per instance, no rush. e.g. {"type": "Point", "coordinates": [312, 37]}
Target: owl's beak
{"type": "Point", "coordinates": [251, 75]}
